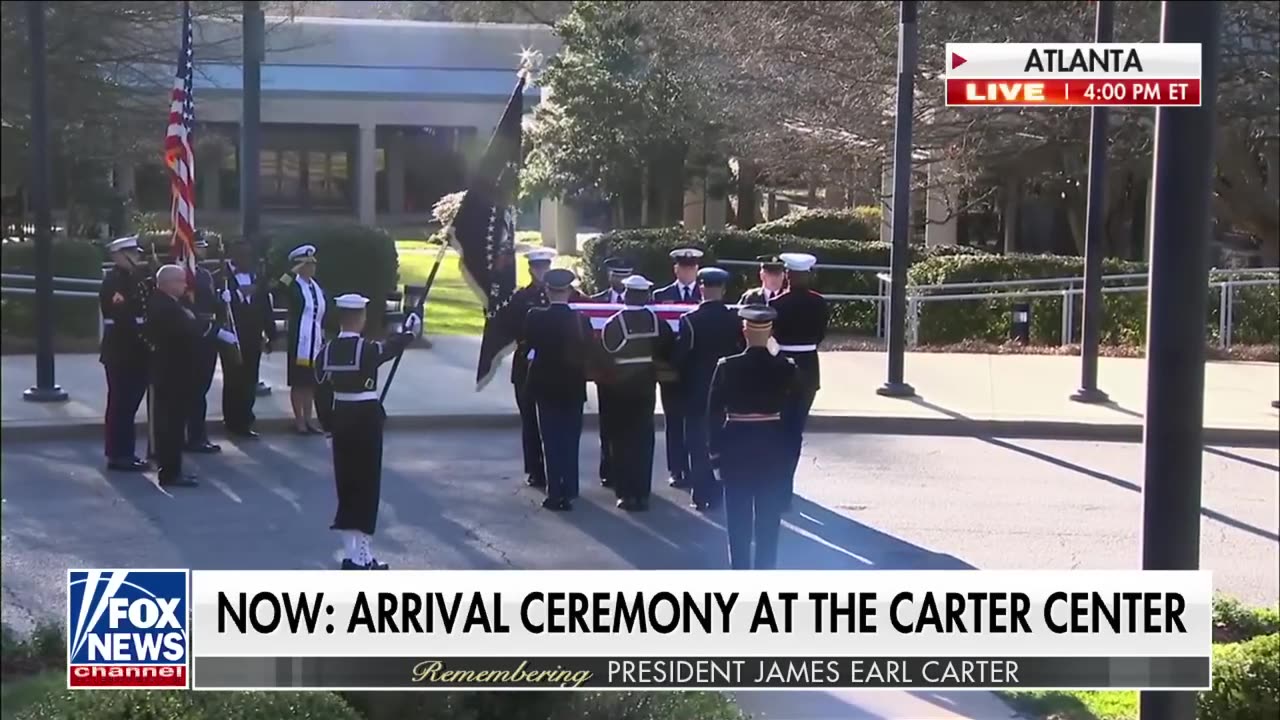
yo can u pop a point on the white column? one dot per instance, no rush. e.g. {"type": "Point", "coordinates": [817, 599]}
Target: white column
{"type": "Point", "coordinates": [695, 205]}
{"type": "Point", "coordinates": [886, 202]}
{"type": "Point", "coordinates": [395, 171]}
{"type": "Point", "coordinates": [566, 229]}
{"type": "Point", "coordinates": [548, 209]}
{"type": "Point", "coordinates": [940, 207]}
{"type": "Point", "coordinates": [367, 187]}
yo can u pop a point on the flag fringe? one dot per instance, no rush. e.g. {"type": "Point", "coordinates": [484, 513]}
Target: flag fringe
{"type": "Point", "coordinates": [498, 357]}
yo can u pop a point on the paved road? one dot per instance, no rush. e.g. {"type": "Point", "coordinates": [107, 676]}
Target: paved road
{"type": "Point", "coordinates": [453, 500]}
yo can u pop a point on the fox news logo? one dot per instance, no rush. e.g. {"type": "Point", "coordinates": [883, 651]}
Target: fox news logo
{"type": "Point", "coordinates": [128, 628]}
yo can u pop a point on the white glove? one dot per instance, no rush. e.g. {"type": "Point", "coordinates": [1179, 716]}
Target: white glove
{"type": "Point", "coordinates": [772, 345]}
{"type": "Point", "coordinates": [226, 296]}
{"type": "Point", "coordinates": [412, 325]}
{"type": "Point", "coordinates": [228, 337]}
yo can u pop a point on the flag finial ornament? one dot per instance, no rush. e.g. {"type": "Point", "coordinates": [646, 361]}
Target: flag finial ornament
{"type": "Point", "coordinates": [530, 61]}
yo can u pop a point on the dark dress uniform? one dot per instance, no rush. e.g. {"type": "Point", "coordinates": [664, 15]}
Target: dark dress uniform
{"type": "Point", "coordinates": [759, 296]}
{"type": "Point", "coordinates": [752, 450]}
{"type": "Point", "coordinates": [254, 320]}
{"type": "Point", "coordinates": [560, 343]}
{"type": "Point", "coordinates": [711, 332]}
{"type": "Point", "coordinates": [348, 367]}
{"type": "Point", "coordinates": [177, 337]}
{"type": "Point", "coordinates": [301, 371]}
{"type": "Point", "coordinates": [799, 329]}
{"type": "Point", "coordinates": [636, 341]}
{"type": "Point", "coordinates": [208, 307]}
{"type": "Point", "coordinates": [604, 400]}
{"type": "Point", "coordinates": [673, 392]}
{"type": "Point", "coordinates": [522, 300]}
{"type": "Point", "coordinates": [123, 354]}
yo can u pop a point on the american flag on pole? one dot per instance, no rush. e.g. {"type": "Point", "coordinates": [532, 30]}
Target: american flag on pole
{"type": "Point", "coordinates": [179, 155]}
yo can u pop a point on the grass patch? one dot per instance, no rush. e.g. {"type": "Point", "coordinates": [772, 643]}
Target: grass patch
{"type": "Point", "coordinates": [1076, 704]}
{"type": "Point", "coordinates": [452, 308]}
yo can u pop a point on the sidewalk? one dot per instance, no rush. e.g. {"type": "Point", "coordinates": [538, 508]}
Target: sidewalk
{"type": "Point", "coordinates": [958, 394]}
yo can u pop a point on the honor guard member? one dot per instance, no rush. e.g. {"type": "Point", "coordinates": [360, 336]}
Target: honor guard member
{"type": "Point", "coordinates": [307, 312]}
{"type": "Point", "coordinates": [799, 329]}
{"type": "Point", "coordinates": [750, 447]}
{"type": "Point", "coordinates": [124, 351]}
{"type": "Point", "coordinates": [255, 325]}
{"type": "Point", "coordinates": [707, 334]}
{"type": "Point", "coordinates": [530, 296]}
{"type": "Point", "coordinates": [772, 279]}
{"type": "Point", "coordinates": [619, 269]}
{"type": "Point", "coordinates": [636, 340]}
{"type": "Point", "coordinates": [206, 303]}
{"type": "Point", "coordinates": [561, 346]}
{"type": "Point", "coordinates": [348, 367]}
{"type": "Point", "coordinates": [683, 291]}
{"type": "Point", "coordinates": [177, 337]}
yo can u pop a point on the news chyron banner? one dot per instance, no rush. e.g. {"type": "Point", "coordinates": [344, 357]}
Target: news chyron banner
{"type": "Point", "coordinates": [1073, 74]}
{"type": "Point", "coordinates": [713, 630]}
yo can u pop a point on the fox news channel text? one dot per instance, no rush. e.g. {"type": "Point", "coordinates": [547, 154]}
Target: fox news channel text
{"type": "Point", "coordinates": [1073, 74]}
{"type": "Point", "coordinates": [127, 628]}
{"type": "Point", "coordinates": [630, 630]}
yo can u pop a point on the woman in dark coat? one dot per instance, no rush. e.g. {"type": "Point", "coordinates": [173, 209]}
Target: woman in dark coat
{"type": "Point", "coordinates": [307, 308]}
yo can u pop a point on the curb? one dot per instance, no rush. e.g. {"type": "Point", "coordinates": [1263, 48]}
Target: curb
{"type": "Point", "coordinates": [853, 424]}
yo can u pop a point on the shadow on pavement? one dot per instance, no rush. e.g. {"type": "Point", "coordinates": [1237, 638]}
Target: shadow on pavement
{"type": "Point", "coordinates": [1098, 475]}
{"type": "Point", "coordinates": [1242, 458]}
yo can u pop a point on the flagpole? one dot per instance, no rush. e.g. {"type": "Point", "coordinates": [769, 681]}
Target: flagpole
{"type": "Point", "coordinates": [417, 308]}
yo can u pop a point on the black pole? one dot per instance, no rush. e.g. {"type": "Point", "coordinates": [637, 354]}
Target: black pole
{"type": "Point", "coordinates": [1094, 250]}
{"type": "Point", "coordinates": [45, 390]}
{"type": "Point", "coordinates": [901, 218]}
{"type": "Point", "coordinates": [1179, 280]}
{"type": "Point", "coordinates": [251, 129]}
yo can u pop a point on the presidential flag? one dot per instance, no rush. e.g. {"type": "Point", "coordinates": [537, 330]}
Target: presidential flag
{"type": "Point", "coordinates": [179, 156]}
{"type": "Point", "coordinates": [483, 233]}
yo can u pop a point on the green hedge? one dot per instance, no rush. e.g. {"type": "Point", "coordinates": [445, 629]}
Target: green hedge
{"type": "Point", "coordinates": [1246, 681]}
{"type": "Point", "coordinates": [352, 259]}
{"type": "Point", "coordinates": [169, 705]}
{"type": "Point", "coordinates": [1233, 621]}
{"type": "Point", "coordinates": [860, 223]}
{"type": "Point", "coordinates": [647, 249]}
{"type": "Point", "coordinates": [74, 316]}
{"type": "Point", "coordinates": [543, 706]}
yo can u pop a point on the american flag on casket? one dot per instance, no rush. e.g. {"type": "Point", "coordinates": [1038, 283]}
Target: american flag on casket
{"type": "Point", "coordinates": [599, 313]}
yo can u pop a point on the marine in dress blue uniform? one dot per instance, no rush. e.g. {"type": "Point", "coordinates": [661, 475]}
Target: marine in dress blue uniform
{"type": "Point", "coordinates": [208, 306]}
{"type": "Point", "coordinates": [637, 341]}
{"type": "Point", "coordinates": [123, 354]}
{"type": "Point", "coordinates": [683, 291]}
{"type": "Point", "coordinates": [619, 269]}
{"type": "Point", "coordinates": [251, 307]}
{"type": "Point", "coordinates": [799, 328]}
{"type": "Point", "coordinates": [561, 345]}
{"type": "Point", "coordinates": [773, 280]}
{"type": "Point", "coordinates": [706, 334]}
{"type": "Point", "coordinates": [348, 367]}
{"type": "Point", "coordinates": [750, 446]}
{"type": "Point", "coordinates": [530, 296]}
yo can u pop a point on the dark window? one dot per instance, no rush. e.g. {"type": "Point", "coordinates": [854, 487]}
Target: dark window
{"type": "Point", "coordinates": [307, 167]}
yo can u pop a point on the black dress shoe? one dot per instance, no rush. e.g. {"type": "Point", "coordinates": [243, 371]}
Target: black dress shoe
{"type": "Point", "coordinates": [557, 504]}
{"type": "Point", "coordinates": [204, 448]}
{"type": "Point", "coordinates": [606, 483]}
{"type": "Point", "coordinates": [349, 564]}
{"type": "Point", "coordinates": [535, 481]}
{"type": "Point", "coordinates": [375, 565]}
{"type": "Point", "coordinates": [242, 433]}
{"type": "Point", "coordinates": [623, 504]}
{"type": "Point", "coordinates": [129, 465]}
{"type": "Point", "coordinates": [184, 481]}
{"type": "Point", "coordinates": [679, 483]}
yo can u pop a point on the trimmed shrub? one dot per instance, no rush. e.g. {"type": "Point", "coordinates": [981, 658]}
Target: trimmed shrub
{"type": "Point", "coordinates": [1235, 622]}
{"type": "Point", "coordinates": [169, 705]}
{"type": "Point", "coordinates": [543, 706]}
{"type": "Point", "coordinates": [1246, 681]}
{"type": "Point", "coordinates": [74, 316]}
{"type": "Point", "coordinates": [352, 259]}
{"type": "Point", "coordinates": [860, 223]}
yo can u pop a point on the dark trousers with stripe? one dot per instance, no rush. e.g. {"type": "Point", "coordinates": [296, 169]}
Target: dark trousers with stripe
{"type": "Point", "coordinates": [205, 363]}
{"type": "Point", "coordinates": [560, 428]}
{"type": "Point", "coordinates": [126, 386]}
{"type": "Point", "coordinates": [673, 418]}
{"type": "Point", "coordinates": [755, 459]}
{"type": "Point", "coordinates": [530, 440]}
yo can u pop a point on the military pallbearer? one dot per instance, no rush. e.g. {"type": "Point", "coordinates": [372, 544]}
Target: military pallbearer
{"type": "Point", "coordinates": [530, 296]}
{"type": "Point", "coordinates": [619, 269]}
{"type": "Point", "coordinates": [772, 281]}
{"type": "Point", "coordinates": [124, 351]}
{"type": "Point", "coordinates": [749, 442]}
{"type": "Point", "coordinates": [683, 291]}
{"type": "Point", "coordinates": [347, 367]}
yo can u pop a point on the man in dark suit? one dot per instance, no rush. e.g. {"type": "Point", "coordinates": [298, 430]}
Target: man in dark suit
{"type": "Point", "coordinates": [773, 278]}
{"type": "Point", "coordinates": [530, 296]}
{"type": "Point", "coordinates": [251, 309]}
{"type": "Point", "coordinates": [683, 291]}
{"type": "Point", "coordinates": [207, 304]}
{"type": "Point", "coordinates": [561, 346]}
{"type": "Point", "coordinates": [122, 300]}
{"type": "Point", "coordinates": [707, 334]}
{"type": "Point", "coordinates": [177, 335]}
{"type": "Point", "coordinates": [619, 270]}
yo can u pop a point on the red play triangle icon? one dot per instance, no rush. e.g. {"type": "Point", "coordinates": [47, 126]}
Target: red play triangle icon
{"type": "Point", "coordinates": [957, 61]}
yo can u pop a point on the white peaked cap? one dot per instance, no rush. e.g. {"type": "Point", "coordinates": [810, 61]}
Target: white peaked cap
{"type": "Point", "coordinates": [637, 282]}
{"type": "Point", "coordinates": [541, 255]}
{"type": "Point", "coordinates": [124, 243]}
{"type": "Point", "coordinates": [302, 251]}
{"type": "Point", "coordinates": [685, 253]}
{"type": "Point", "coordinates": [351, 301]}
{"type": "Point", "coordinates": [800, 262]}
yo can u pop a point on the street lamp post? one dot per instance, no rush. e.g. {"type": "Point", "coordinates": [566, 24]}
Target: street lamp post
{"type": "Point", "coordinates": [45, 389]}
{"type": "Point", "coordinates": [901, 217]}
{"type": "Point", "coordinates": [1094, 246]}
{"type": "Point", "coordinates": [1173, 436]}
{"type": "Point", "coordinates": [251, 140]}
